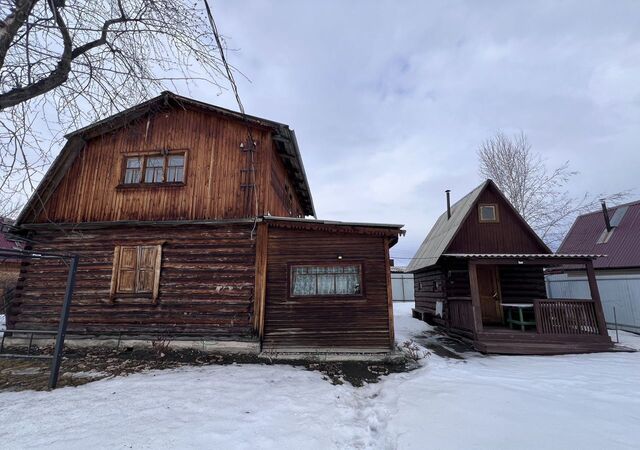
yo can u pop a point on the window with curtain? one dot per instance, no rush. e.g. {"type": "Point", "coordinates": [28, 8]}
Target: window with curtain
{"type": "Point", "coordinates": [167, 167]}
{"type": "Point", "coordinates": [334, 280]}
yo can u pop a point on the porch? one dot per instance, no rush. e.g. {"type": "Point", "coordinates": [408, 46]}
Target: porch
{"type": "Point", "coordinates": [512, 316]}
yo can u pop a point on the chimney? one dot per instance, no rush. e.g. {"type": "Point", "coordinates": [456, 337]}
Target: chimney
{"type": "Point", "coordinates": [606, 215]}
{"type": "Point", "coordinates": [448, 204]}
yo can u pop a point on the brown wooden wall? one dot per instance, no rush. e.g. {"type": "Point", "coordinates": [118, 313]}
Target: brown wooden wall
{"type": "Point", "coordinates": [522, 284]}
{"type": "Point", "coordinates": [426, 292]}
{"type": "Point", "coordinates": [214, 173]}
{"type": "Point", "coordinates": [206, 282]}
{"type": "Point", "coordinates": [518, 284]}
{"type": "Point", "coordinates": [324, 322]}
{"type": "Point", "coordinates": [507, 236]}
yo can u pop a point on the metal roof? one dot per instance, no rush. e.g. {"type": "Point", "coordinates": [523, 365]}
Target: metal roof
{"type": "Point", "coordinates": [332, 222]}
{"type": "Point", "coordinates": [445, 228]}
{"type": "Point", "coordinates": [520, 256]}
{"type": "Point", "coordinates": [623, 245]}
{"type": "Point", "coordinates": [444, 231]}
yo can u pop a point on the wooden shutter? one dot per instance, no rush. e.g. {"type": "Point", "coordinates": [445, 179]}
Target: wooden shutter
{"type": "Point", "coordinates": [146, 264]}
{"type": "Point", "coordinates": [127, 269]}
{"type": "Point", "coordinates": [136, 270]}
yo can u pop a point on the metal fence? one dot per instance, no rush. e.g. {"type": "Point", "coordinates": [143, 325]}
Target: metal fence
{"type": "Point", "coordinates": [620, 296]}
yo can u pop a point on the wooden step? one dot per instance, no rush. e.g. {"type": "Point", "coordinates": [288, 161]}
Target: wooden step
{"type": "Point", "coordinates": [540, 348]}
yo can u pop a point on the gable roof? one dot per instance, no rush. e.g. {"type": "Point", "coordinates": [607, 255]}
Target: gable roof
{"type": "Point", "coordinates": [623, 246]}
{"type": "Point", "coordinates": [284, 139]}
{"type": "Point", "coordinates": [445, 229]}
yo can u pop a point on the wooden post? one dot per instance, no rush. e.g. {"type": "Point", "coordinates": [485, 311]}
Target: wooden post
{"type": "Point", "coordinates": [260, 290]}
{"type": "Point", "coordinates": [476, 309]}
{"type": "Point", "coordinates": [595, 296]}
{"type": "Point", "coordinates": [389, 293]}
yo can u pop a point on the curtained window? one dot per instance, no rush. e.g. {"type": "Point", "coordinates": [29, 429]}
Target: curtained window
{"type": "Point", "coordinates": [162, 168]}
{"type": "Point", "coordinates": [318, 281]}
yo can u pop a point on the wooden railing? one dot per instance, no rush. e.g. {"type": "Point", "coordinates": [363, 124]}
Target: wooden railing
{"type": "Point", "coordinates": [566, 316]}
{"type": "Point", "coordinates": [460, 313]}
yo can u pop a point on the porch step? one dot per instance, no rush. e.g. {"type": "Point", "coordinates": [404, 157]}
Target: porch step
{"type": "Point", "coordinates": [541, 348]}
{"type": "Point", "coordinates": [528, 337]}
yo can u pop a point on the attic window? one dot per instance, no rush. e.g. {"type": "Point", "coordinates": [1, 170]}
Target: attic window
{"type": "Point", "coordinates": [488, 213]}
{"type": "Point", "coordinates": [155, 168]}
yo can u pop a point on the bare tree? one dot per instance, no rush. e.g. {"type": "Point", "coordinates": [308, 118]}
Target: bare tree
{"type": "Point", "coordinates": [65, 63]}
{"type": "Point", "coordinates": [537, 193]}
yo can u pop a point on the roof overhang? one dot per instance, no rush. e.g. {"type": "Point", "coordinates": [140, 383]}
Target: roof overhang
{"type": "Point", "coordinates": [523, 258]}
{"type": "Point", "coordinates": [392, 231]}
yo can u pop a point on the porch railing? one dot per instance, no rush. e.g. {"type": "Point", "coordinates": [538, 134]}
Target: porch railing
{"type": "Point", "coordinates": [460, 313]}
{"type": "Point", "coordinates": [566, 316]}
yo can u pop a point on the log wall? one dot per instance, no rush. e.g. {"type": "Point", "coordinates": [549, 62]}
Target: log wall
{"type": "Point", "coordinates": [206, 282]}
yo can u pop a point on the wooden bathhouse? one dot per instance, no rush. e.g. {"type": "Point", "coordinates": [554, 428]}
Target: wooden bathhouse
{"type": "Point", "coordinates": [187, 228]}
{"type": "Point", "coordinates": [480, 274]}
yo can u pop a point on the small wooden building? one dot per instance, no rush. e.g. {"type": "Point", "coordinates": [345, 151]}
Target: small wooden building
{"type": "Point", "coordinates": [185, 228]}
{"type": "Point", "coordinates": [480, 274]}
{"type": "Point", "coordinates": [9, 267]}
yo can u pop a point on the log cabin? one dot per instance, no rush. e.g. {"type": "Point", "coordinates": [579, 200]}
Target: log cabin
{"type": "Point", "coordinates": [190, 222]}
{"type": "Point", "coordinates": [479, 274]}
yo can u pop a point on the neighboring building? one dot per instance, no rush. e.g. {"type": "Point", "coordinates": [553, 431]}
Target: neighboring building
{"type": "Point", "coordinates": [186, 228]}
{"type": "Point", "coordinates": [616, 235]}
{"type": "Point", "coordinates": [401, 285]}
{"type": "Point", "coordinates": [9, 267]}
{"type": "Point", "coordinates": [479, 274]}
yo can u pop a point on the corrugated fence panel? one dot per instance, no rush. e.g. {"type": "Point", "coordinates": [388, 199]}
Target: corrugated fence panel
{"type": "Point", "coordinates": [617, 291]}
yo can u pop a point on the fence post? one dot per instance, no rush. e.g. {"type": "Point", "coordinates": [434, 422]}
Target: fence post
{"type": "Point", "coordinates": [62, 326]}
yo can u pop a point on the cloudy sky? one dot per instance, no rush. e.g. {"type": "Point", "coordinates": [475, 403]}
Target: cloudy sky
{"type": "Point", "coordinates": [389, 100]}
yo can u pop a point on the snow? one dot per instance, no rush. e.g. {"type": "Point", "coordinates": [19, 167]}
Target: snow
{"type": "Point", "coordinates": [579, 401]}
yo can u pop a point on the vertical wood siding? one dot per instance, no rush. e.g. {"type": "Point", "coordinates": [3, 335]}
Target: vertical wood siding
{"type": "Point", "coordinates": [206, 283]}
{"type": "Point", "coordinates": [216, 167]}
{"type": "Point", "coordinates": [325, 322]}
{"type": "Point", "coordinates": [509, 235]}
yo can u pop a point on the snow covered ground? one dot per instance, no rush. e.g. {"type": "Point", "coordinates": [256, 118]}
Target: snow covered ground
{"type": "Point", "coordinates": [582, 401]}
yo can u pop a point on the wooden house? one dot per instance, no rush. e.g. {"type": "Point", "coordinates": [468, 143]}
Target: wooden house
{"type": "Point", "coordinates": [187, 228]}
{"type": "Point", "coordinates": [9, 266]}
{"type": "Point", "coordinates": [615, 232]}
{"type": "Point", "coordinates": [479, 274]}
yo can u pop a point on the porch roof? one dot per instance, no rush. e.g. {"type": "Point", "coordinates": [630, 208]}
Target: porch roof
{"type": "Point", "coordinates": [523, 256]}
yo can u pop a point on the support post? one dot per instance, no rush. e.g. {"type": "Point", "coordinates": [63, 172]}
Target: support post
{"type": "Point", "coordinates": [476, 309]}
{"type": "Point", "coordinates": [595, 296]}
{"type": "Point", "coordinates": [392, 339]}
{"type": "Point", "coordinates": [62, 326]}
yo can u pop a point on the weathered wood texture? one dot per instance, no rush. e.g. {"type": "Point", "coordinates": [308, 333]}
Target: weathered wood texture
{"type": "Point", "coordinates": [206, 283]}
{"type": "Point", "coordinates": [429, 288]}
{"type": "Point", "coordinates": [509, 235]}
{"type": "Point", "coordinates": [217, 173]}
{"type": "Point", "coordinates": [326, 322]}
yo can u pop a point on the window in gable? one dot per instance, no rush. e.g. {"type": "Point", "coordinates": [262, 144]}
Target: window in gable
{"type": "Point", "coordinates": [166, 167]}
{"type": "Point", "coordinates": [488, 213]}
{"type": "Point", "coordinates": [154, 169]}
{"type": "Point", "coordinates": [136, 270]}
{"type": "Point", "coordinates": [133, 170]}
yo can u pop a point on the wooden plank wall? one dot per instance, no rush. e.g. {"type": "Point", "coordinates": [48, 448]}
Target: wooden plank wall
{"type": "Point", "coordinates": [324, 322]}
{"type": "Point", "coordinates": [507, 236]}
{"type": "Point", "coordinates": [206, 282]}
{"type": "Point", "coordinates": [214, 164]}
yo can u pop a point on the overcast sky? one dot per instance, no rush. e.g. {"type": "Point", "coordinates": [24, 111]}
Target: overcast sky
{"type": "Point", "coordinates": [389, 100]}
